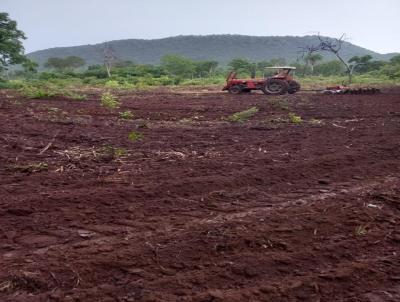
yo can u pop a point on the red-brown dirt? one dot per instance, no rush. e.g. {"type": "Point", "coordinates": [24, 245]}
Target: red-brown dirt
{"type": "Point", "coordinates": [200, 208]}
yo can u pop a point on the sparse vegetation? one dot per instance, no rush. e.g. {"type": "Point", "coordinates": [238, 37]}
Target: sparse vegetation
{"type": "Point", "coordinates": [280, 104]}
{"type": "Point", "coordinates": [109, 101]}
{"type": "Point", "coordinates": [126, 115]}
{"type": "Point", "coordinates": [34, 92]}
{"type": "Point", "coordinates": [135, 136]}
{"type": "Point", "coordinates": [243, 116]}
{"type": "Point", "coordinates": [31, 168]}
{"type": "Point", "coordinates": [295, 119]}
{"type": "Point", "coordinates": [112, 151]}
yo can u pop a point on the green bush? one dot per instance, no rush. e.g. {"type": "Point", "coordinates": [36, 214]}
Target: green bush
{"type": "Point", "coordinates": [109, 101]}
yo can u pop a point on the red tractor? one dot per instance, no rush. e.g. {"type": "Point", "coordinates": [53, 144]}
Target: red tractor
{"type": "Point", "coordinates": [280, 83]}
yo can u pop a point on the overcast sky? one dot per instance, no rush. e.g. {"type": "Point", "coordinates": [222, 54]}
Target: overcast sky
{"type": "Point", "coordinates": [373, 24]}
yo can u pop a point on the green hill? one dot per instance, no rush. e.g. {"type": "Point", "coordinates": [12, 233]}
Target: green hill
{"type": "Point", "coordinates": [221, 48]}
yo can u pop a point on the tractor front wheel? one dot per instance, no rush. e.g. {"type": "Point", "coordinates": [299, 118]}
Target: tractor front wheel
{"type": "Point", "coordinates": [236, 89]}
{"type": "Point", "coordinates": [275, 87]}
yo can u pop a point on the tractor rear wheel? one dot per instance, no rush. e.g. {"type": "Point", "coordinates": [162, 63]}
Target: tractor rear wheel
{"type": "Point", "coordinates": [275, 87]}
{"type": "Point", "coordinates": [293, 87]}
{"type": "Point", "coordinates": [236, 89]}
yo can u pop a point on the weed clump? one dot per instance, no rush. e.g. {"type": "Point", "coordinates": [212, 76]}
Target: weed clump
{"type": "Point", "coordinates": [109, 101]}
{"type": "Point", "coordinates": [243, 116]}
{"type": "Point", "coordinates": [135, 136]}
{"type": "Point", "coordinates": [295, 119]}
{"type": "Point", "coordinates": [126, 115]}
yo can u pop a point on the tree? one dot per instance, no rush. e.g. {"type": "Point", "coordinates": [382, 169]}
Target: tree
{"type": "Point", "coordinates": [241, 66]}
{"type": "Point", "coordinates": [329, 68]}
{"type": "Point", "coordinates": [62, 64]}
{"type": "Point", "coordinates": [108, 57]}
{"type": "Point", "coordinates": [73, 62]}
{"type": "Point", "coordinates": [395, 60]}
{"type": "Point", "coordinates": [357, 63]}
{"type": "Point", "coordinates": [56, 63]}
{"type": "Point", "coordinates": [30, 66]}
{"type": "Point", "coordinates": [11, 49]}
{"type": "Point", "coordinates": [392, 69]}
{"type": "Point", "coordinates": [312, 59]}
{"type": "Point", "coordinates": [334, 46]}
{"type": "Point", "coordinates": [177, 65]}
{"type": "Point", "coordinates": [205, 68]}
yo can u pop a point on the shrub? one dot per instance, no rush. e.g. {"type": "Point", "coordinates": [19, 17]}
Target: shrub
{"type": "Point", "coordinates": [109, 101]}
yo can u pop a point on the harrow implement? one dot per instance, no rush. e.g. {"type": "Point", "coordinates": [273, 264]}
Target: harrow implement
{"type": "Point", "coordinates": [348, 90]}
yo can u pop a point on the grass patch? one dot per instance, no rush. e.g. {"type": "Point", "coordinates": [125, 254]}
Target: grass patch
{"type": "Point", "coordinates": [243, 116]}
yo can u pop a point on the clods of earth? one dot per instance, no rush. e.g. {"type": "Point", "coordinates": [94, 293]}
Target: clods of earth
{"type": "Point", "coordinates": [181, 200]}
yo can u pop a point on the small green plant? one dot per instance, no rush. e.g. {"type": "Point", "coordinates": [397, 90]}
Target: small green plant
{"type": "Point", "coordinates": [135, 136]}
{"type": "Point", "coordinates": [295, 119]}
{"type": "Point", "coordinates": [126, 115]}
{"type": "Point", "coordinates": [243, 116]}
{"type": "Point", "coordinates": [109, 101]}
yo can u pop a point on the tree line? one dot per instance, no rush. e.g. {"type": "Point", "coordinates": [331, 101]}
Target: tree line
{"type": "Point", "coordinates": [179, 66]}
{"type": "Point", "coordinates": [311, 62]}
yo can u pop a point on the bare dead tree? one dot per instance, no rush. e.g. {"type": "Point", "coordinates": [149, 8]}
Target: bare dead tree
{"type": "Point", "coordinates": [108, 57]}
{"type": "Point", "coordinates": [334, 46]}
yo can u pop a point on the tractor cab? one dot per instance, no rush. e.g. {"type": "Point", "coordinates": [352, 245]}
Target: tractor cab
{"type": "Point", "coordinates": [280, 72]}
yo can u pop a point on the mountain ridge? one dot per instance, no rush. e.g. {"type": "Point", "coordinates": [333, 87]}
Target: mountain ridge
{"type": "Point", "coordinates": [221, 48]}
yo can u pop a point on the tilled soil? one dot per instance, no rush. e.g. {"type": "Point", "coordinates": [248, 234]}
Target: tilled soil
{"type": "Point", "coordinates": [195, 207]}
